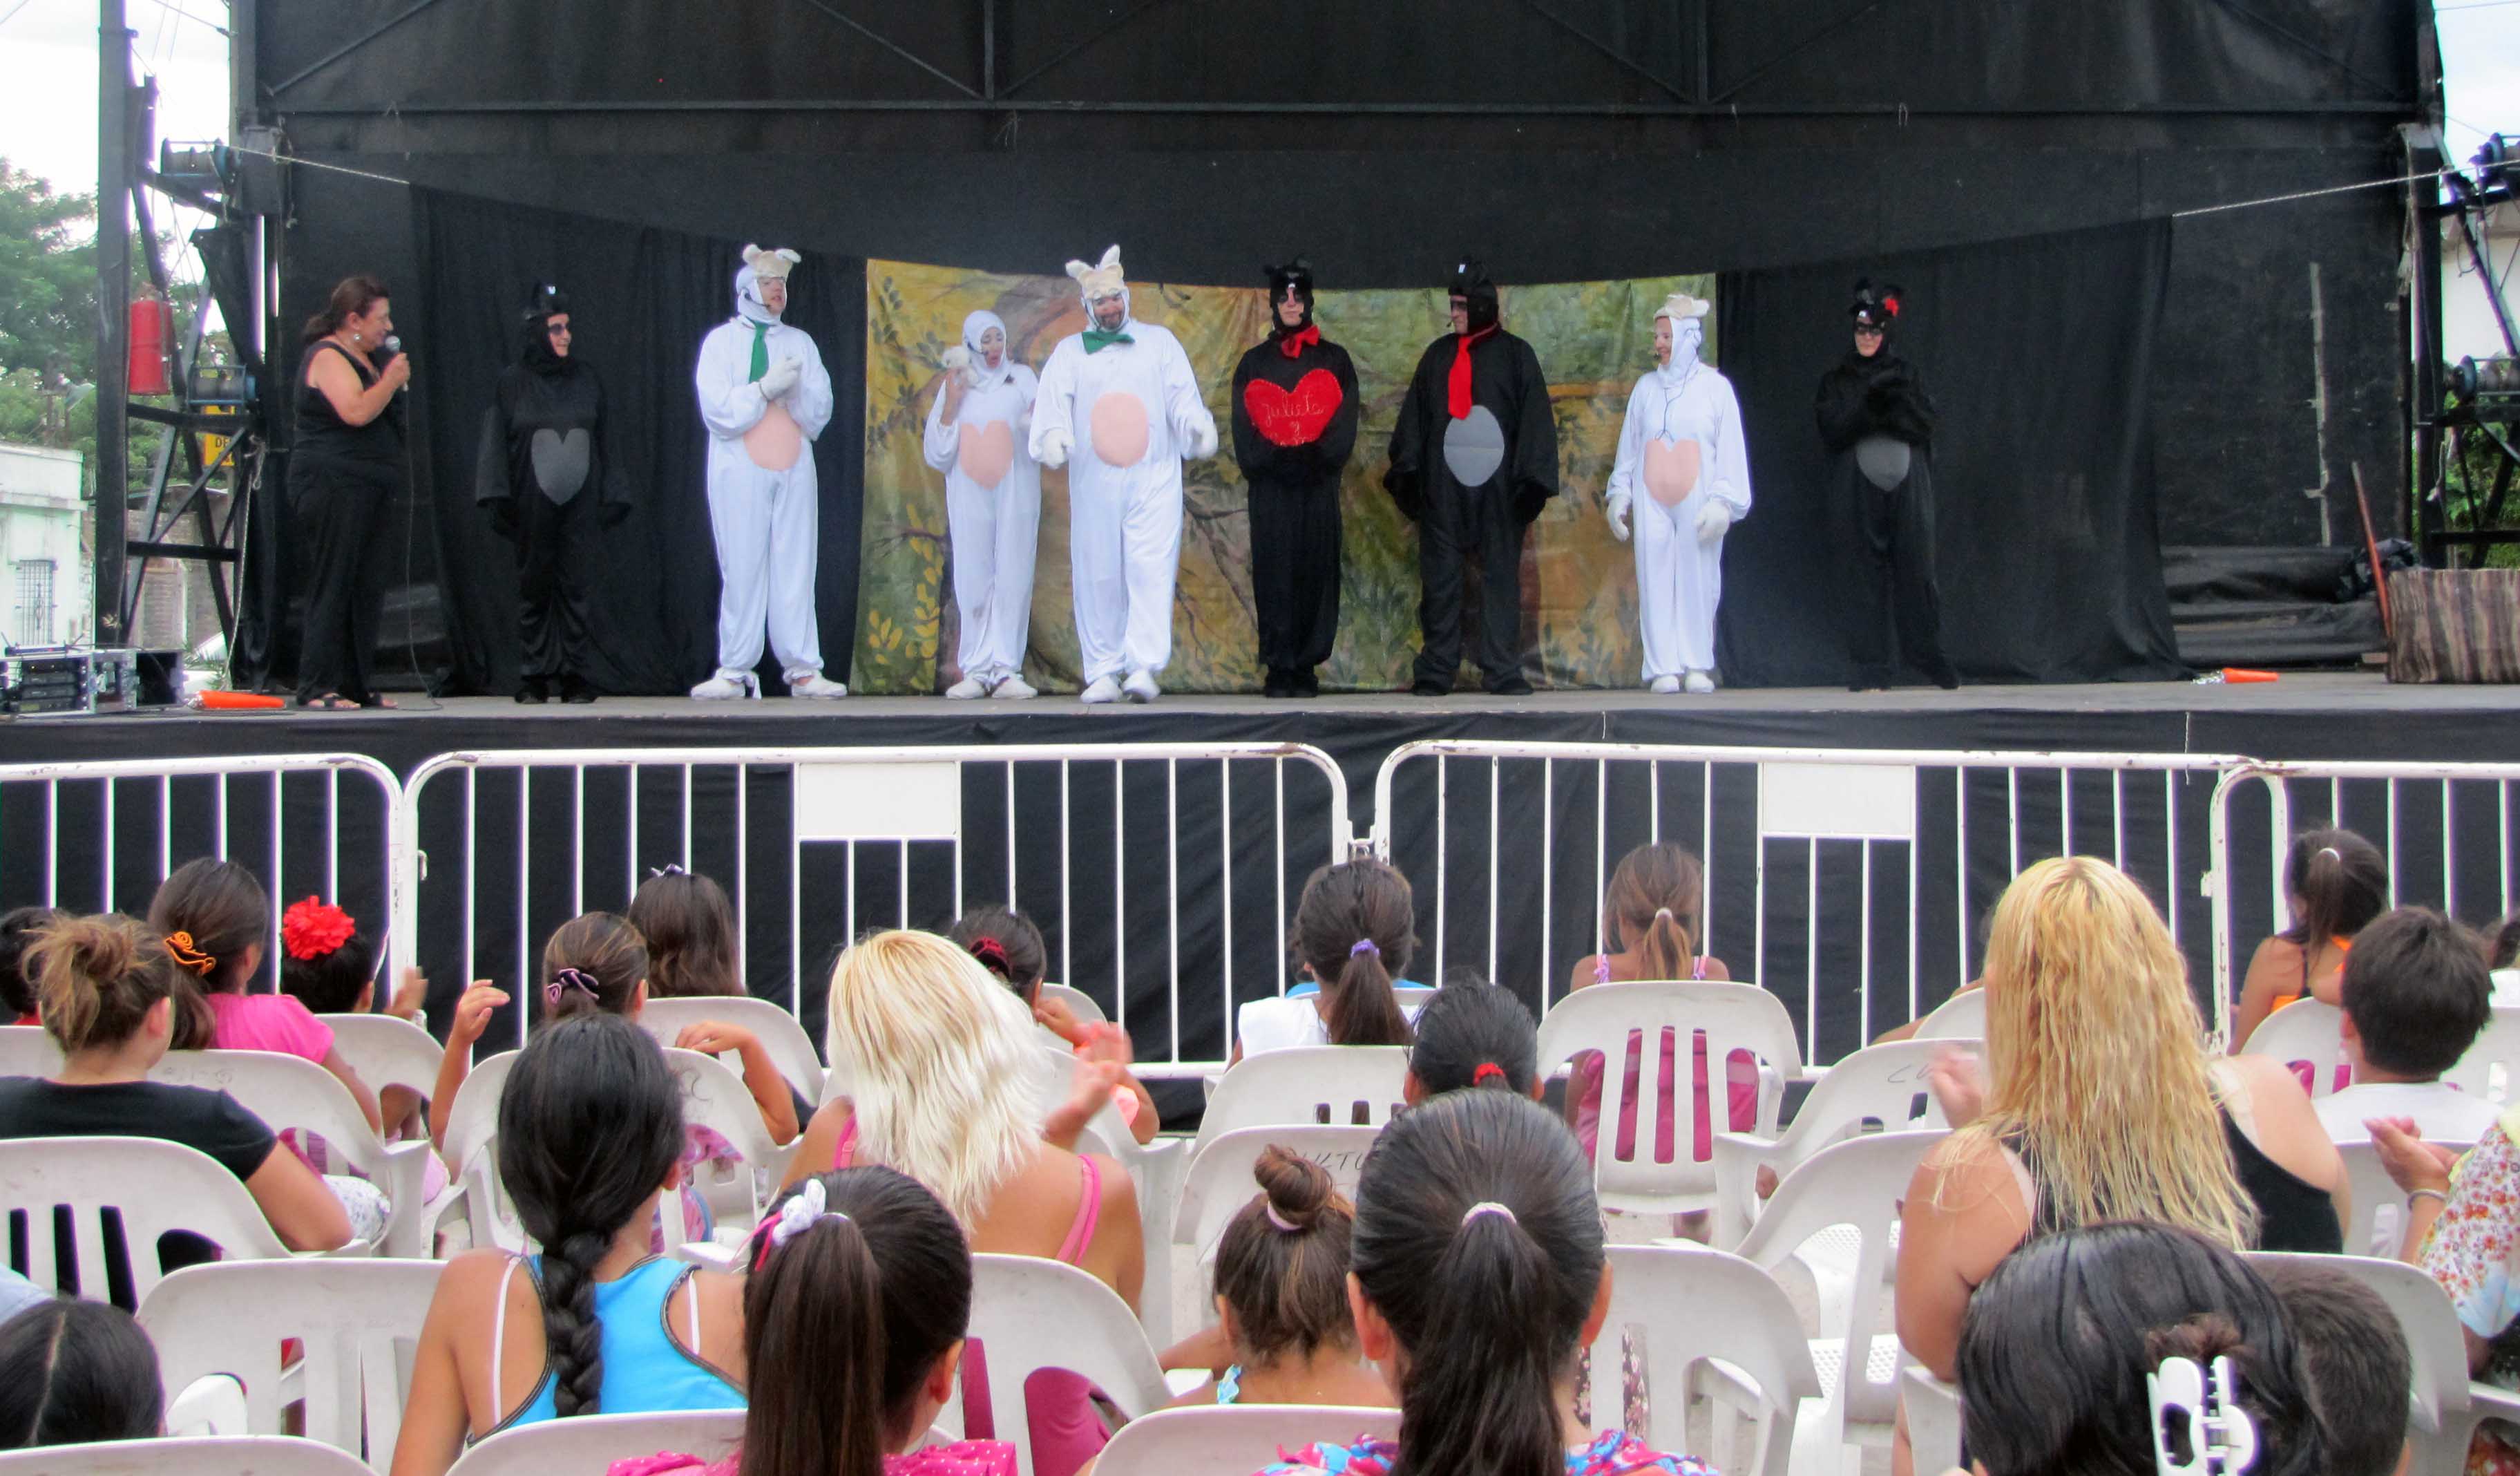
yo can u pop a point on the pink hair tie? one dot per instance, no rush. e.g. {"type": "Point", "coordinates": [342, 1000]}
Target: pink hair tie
{"type": "Point", "coordinates": [1280, 1221]}
{"type": "Point", "coordinates": [571, 979]}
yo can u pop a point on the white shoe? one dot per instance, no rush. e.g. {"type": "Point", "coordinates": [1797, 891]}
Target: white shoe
{"type": "Point", "coordinates": [1141, 686]}
{"type": "Point", "coordinates": [968, 688]}
{"type": "Point", "coordinates": [725, 686]}
{"type": "Point", "coordinates": [815, 684]}
{"type": "Point", "coordinates": [1104, 689]}
{"type": "Point", "coordinates": [1700, 682]}
{"type": "Point", "coordinates": [1663, 686]}
{"type": "Point", "coordinates": [1012, 689]}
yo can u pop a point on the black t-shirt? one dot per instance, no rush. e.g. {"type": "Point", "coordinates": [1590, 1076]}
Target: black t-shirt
{"type": "Point", "coordinates": [209, 1121]}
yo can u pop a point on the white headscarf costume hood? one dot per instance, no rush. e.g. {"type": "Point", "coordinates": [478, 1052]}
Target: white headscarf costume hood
{"type": "Point", "coordinates": [1688, 316]}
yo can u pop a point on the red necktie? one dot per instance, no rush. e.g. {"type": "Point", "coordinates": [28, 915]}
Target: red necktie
{"type": "Point", "coordinates": [1457, 388]}
{"type": "Point", "coordinates": [1292, 344]}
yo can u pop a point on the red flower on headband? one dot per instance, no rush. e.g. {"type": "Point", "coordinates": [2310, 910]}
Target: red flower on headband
{"type": "Point", "coordinates": [314, 928]}
{"type": "Point", "coordinates": [1891, 303]}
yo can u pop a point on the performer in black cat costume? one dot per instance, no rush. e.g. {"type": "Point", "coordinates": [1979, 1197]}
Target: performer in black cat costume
{"type": "Point", "coordinates": [1294, 427]}
{"type": "Point", "coordinates": [549, 486]}
{"type": "Point", "coordinates": [1878, 424]}
{"type": "Point", "coordinates": [1474, 460]}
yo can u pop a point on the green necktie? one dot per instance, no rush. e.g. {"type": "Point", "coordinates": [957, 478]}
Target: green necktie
{"type": "Point", "coordinates": [760, 349]}
{"type": "Point", "coordinates": [1096, 340]}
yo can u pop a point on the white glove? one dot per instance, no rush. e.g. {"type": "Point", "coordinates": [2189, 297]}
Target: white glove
{"type": "Point", "coordinates": [1203, 440]}
{"type": "Point", "coordinates": [780, 378]}
{"type": "Point", "coordinates": [1714, 515]}
{"type": "Point", "coordinates": [1618, 502]}
{"type": "Point", "coordinates": [1056, 442]}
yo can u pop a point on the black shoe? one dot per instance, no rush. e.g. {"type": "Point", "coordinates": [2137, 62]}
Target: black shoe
{"type": "Point", "coordinates": [1947, 678]}
{"type": "Point", "coordinates": [573, 688]}
{"type": "Point", "coordinates": [1512, 686]}
{"type": "Point", "coordinates": [534, 691]}
{"type": "Point", "coordinates": [1308, 683]}
{"type": "Point", "coordinates": [1427, 686]}
{"type": "Point", "coordinates": [1279, 683]}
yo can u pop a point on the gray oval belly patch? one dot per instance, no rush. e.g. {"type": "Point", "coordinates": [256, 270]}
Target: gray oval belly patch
{"type": "Point", "coordinates": [560, 462]}
{"type": "Point", "coordinates": [1474, 448]}
{"type": "Point", "coordinates": [1883, 460]}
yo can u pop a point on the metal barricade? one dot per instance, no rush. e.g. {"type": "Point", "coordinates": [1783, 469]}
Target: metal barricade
{"type": "Point", "coordinates": [99, 837]}
{"type": "Point", "coordinates": [1848, 882]}
{"type": "Point", "coordinates": [1162, 875]}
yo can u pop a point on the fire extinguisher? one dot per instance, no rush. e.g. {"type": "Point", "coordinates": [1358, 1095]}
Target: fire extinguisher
{"type": "Point", "coordinates": [153, 327]}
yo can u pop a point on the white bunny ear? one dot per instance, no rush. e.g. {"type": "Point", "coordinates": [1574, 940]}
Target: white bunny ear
{"type": "Point", "coordinates": [1078, 270]}
{"type": "Point", "coordinates": [787, 256]}
{"type": "Point", "coordinates": [1112, 259]}
{"type": "Point", "coordinates": [752, 256]}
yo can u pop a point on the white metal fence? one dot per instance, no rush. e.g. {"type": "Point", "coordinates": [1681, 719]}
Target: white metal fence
{"type": "Point", "coordinates": [99, 836]}
{"type": "Point", "coordinates": [1162, 874]}
{"type": "Point", "coordinates": [1850, 882]}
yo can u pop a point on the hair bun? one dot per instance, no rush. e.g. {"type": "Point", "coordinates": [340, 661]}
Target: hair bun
{"type": "Point", "coordinates": [2204, 1337]}
{"type": "Point", "coordinates": [1298, 1189]}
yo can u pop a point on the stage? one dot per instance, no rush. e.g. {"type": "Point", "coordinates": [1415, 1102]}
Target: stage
{"type": "Point", "coordinates": [2326, 716]}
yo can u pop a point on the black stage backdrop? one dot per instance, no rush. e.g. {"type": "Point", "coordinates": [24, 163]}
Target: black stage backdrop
{"type": "Point", "coordinates": [2038, 353]}
{"type": "Point", "coordinates": [641, 297]}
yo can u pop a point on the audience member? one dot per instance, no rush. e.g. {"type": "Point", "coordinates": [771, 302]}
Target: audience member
{"type": "Point", "coordinates": [107, 988]}
{"type": "Point", "coordinates": [18, 928]}
{"type": "Point", "coordinates": [80, 1372]}
{"type": "Point", "coordinates": [2463, 1228]}
{"type": "Point", "coordinates": [1354, 932]}
{"type": "Point", "coordinates": [2105, 1104]}
{"type": "Point", "coordinates": [689, 927]}
{"type": "Point", "coordinates": [1473, 1033]}
{"type": "Point", "coordinates": [853, 1319]}
{"type": "Point", "coordinates": [327, 965]}
{"type": "Point", "coordinates": [2415, 996]}
{"type": "Point", "coordinates": [943, 1059]}
{"type": "Point", "coordinates": [590, 1136]}
{"type": "Point", "coordinates": [1008, 946]}
{"type": "Point", "coordinates": [2355, 1356]}
{"type": "Point", "coordinates": [2501, 957]}
{"type": "Point", "coordinates": [1284, 1334]}
{"type": "Point", "coordinates": [1479, 1274]}
{"type": "Point", "coordinates": [216, 918]}
{"type": "Point", "coordinates": [2061, 1338]}
{"type": "Point", "coordinates": [2335, 882]}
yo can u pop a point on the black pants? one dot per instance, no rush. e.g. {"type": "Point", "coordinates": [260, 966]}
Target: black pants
{"type": "Point", "coordinates": [557, 564]}
{"type": "Point", "coordinates": [340, 509]}
{"type": "Point", "coordinates": [1295, 571]}
{"type": "Point", "coordinates": [1886, 573]}
{"type": "Point", "coordinates": [1461, 526]}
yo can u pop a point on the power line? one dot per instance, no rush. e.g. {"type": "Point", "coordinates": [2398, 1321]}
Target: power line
{"type": "Point", "coordinates": [2368, 184]}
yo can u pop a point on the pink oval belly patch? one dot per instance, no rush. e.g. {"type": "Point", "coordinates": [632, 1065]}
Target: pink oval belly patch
{"type": "Point", "coordinates": [774, 442]}
{"type": "Point", "coordinates": [984, 452]}
{"type": "Point", "coordinates": [1671, 471]}
{"type": "Point", "coordinates": [1118, 424]}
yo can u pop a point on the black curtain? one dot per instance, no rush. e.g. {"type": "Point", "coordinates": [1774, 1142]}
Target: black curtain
{"type": "Point", "coordinates": [2038, 353]}
{"type": "Point", "coordinates": [641, 297]}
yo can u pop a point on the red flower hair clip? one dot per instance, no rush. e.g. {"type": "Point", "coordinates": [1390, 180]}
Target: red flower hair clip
{"type": "Point", "coordinates": [313, 928]}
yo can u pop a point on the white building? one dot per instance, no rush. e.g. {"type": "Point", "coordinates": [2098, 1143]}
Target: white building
{"type": "Point", "coordinates": [46, 577]}
{"type": "Point", "coordinates": [2469, 328]}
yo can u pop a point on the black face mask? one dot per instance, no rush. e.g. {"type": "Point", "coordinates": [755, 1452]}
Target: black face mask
{"type": "Point", "coordinates": [540, 356]}
{"type": "Point", "coordinates": [1300, 278]}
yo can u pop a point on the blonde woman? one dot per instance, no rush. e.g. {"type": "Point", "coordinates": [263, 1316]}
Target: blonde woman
{"type": "Point", "coordinates": [2105, 1103]}
{"type": "Point", "coordinates": [943, 1056]}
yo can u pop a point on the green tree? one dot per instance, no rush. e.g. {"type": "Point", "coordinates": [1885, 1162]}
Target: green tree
{"type": "Point", "coordinates": [46, 278]}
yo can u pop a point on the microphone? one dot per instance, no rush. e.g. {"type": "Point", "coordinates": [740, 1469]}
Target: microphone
{"type": "Point", "coordinates": [394, 345]}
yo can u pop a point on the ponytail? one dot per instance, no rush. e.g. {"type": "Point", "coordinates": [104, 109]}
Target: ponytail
{"type": "Point", "coordinates": [1653, 906]}
{"type": "Point", "coordinates": [860, 1279]}
{"type": "Point", "coordinates": [1475, 1034]}
{"type": "Point", "coordinates": [1669, 952]}
{"type": "Point", "coordinates": [1480, 1396]}
{"type": "Point", "coordinates": [350, 298]}
{"type": "Point", "coordinates": [2342, 882]}
{"type": "Point", "coordinates": [1359, 1008]}
{"type": "Point", "coordinates": [1355, 928]}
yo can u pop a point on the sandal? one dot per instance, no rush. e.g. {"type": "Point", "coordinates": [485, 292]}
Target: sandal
{"type": "Point", "coordinates": [331, 702]}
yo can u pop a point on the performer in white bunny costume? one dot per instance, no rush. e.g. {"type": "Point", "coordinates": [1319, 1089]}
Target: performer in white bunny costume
{"type": "Point", "coordinates": [764, 396]}
{"type": "Point", "coordinates": [978, 432]}
{"type": "Point", "coordinates": [1121, 398]}
{"type": "Point", "coordinates": [1685, 475]}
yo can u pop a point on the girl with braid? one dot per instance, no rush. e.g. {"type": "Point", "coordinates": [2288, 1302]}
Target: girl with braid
{"type": "Point", "coordinates": [590, 1134]}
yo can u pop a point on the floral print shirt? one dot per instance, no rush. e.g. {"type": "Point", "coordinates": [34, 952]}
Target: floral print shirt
{"type": "Point", "coordinates": [2472, 1245]}
{"type": "Point", "coordinates": [1613, 1453]}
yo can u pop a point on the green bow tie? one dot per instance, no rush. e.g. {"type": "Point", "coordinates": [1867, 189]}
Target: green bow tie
{"type": "Point", "coordinates": [1096, 340]}
{"type": "Point", "coordinates": [760, 349]}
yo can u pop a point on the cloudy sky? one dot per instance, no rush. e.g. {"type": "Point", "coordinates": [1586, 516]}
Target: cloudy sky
{"type": "Point", "coordinates": [48, 54]}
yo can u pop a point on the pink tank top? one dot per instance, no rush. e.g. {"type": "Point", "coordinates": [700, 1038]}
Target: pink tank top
{"type": "Point", "coordinates": [1089, 1201]}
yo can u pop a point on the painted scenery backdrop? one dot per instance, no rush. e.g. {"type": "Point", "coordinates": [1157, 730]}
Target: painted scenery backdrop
{"type": "Point", "coordinates": [1593, 339]}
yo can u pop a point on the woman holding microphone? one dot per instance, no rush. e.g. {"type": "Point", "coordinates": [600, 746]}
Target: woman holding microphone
{"type": "Point", "coordinates": [344, 472]}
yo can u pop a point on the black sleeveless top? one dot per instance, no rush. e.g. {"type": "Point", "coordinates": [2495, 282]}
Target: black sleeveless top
{"type": "Point", "coordinates": [2293, 1214]}
{"type": "Point", "coordinates": [322, 434]}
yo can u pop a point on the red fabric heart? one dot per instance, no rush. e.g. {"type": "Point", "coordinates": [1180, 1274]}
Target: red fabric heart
{"type": "Point", "coordinates": [1293, 417]}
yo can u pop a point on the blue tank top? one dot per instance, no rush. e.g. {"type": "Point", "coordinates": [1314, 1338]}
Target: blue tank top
{"type": "Point", "coordinates": [645, 1371]}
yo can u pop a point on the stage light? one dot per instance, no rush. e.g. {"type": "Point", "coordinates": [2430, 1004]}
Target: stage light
{"type": "Point", "coordinates": [2498, 166]}
{"type": "Point", "coordinates": [2494, 375]}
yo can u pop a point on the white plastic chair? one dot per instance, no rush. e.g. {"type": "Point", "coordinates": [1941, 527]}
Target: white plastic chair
{"type": "Point", "coordinates": [1219, 1183]}
{"type": "Point", "coordinates": [1734, 1017]}
{"type": "Point", "coordinates": [27, 1050]}
{"type": "Point", "coordinates": [386, 1052]}
{"type": "Point", "coordinates": [215, 1405]}
{"type": "Point", "coordinates": [2379, 1224]}
{"type": "Point", "coordinates": [790, 1049]}
{"type": "Point", "coordinates": [1962, 1017]}
{"type": "Point", "coordinates": [359, 1321]}
{"type": "Point", "coordinates": [208, 1456]}
{"type": "Point", "coordinates": [1692, 1308]}
{"type": "Point", "coordinates": [1079, 1003]}
{"type": "Point", "coordinates": [1880, 1088]}
{"type": "Point", "coordinates": [1933, 1419]}
{"type": "Point", "coordinates": [714, 1097]}
{"type": "Point", "coordinates": [2486, 1072]}
{"type": "Point", "coordinates": [1029, 1314]}
{"type": "Point", "coordinates": [1234, 1440]}
{"type": "Point", "coordinates": [2304, 1034]}
{"type": "Point", "coordinates": [1850, 1192]}
{"type": "Point", "coordinates": [292, 1092]}
{"type": "Point", "coordinates": [472, 1156]}
{"type": "Point", "coordinates": [152, 1187]}
{"type": "Point", "coordinates": [589, 1443]}
{"type": "Point", "coordinates": [1356, 1084]}
{"type": "Point", "coordinates": [2438, 1404]}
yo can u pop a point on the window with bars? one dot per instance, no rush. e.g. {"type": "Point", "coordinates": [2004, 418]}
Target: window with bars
{"type": "Point", "coordinates": [35, 602]}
